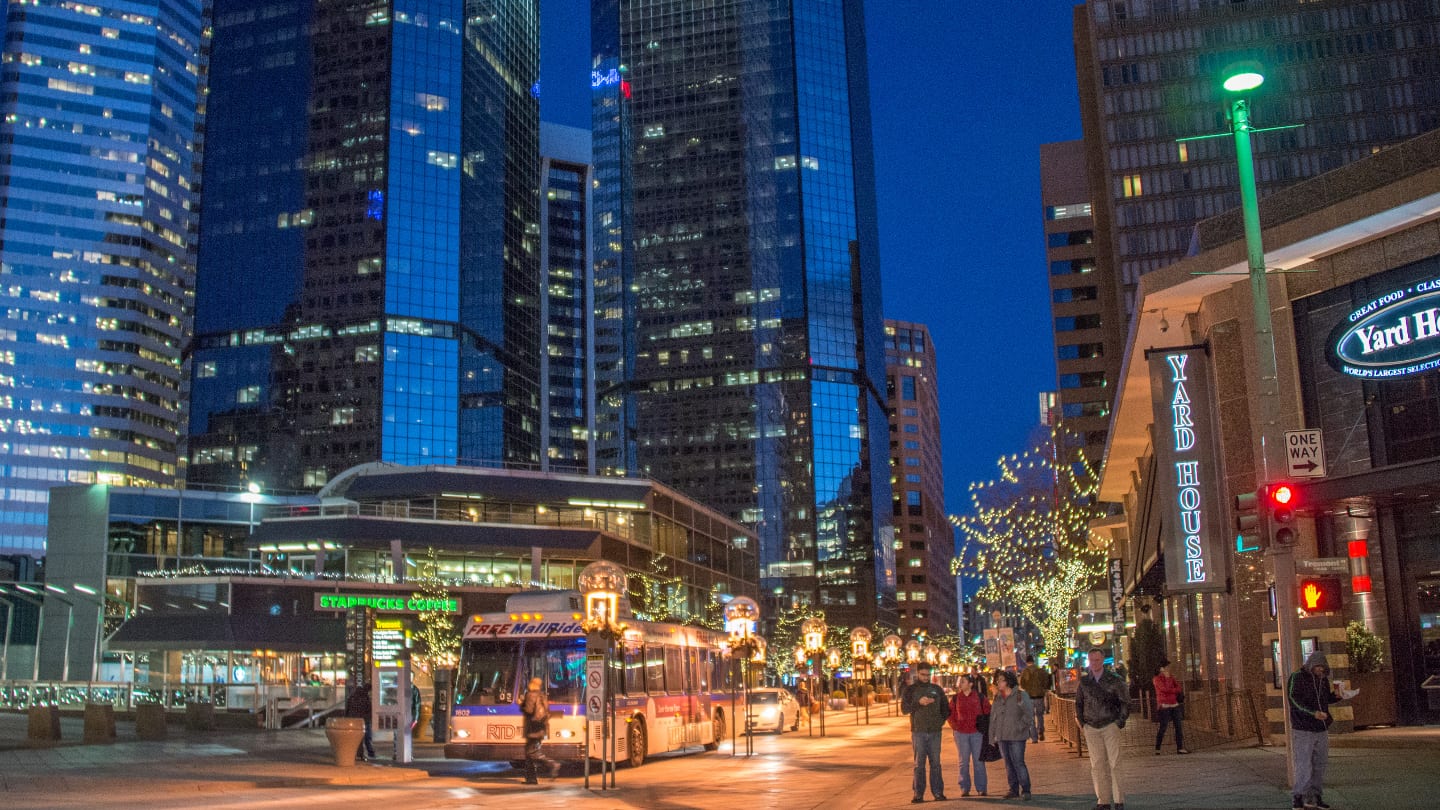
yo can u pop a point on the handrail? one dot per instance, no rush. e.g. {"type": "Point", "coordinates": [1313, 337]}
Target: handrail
{"type": "Point", "coordinates": [22, 695]}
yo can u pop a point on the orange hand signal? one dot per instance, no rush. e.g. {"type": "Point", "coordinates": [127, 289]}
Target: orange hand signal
{"type": "Point", "coordinates": [1312, 596]}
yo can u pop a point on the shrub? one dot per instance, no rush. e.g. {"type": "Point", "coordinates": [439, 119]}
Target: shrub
{"type": "Point", "coordinates": [1365, 648]}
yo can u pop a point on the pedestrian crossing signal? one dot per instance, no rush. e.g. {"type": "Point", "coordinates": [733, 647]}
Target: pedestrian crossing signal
{"type": "Point", "coordinates": [1320, 594]}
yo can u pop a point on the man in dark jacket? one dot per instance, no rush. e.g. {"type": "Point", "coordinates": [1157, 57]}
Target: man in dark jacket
{"type": "Point", "coordinates": [1102, 704]}
{"type": "Point", "coordinates": [928, 707]}
{"type": "Point", "coordinates": [1309, 697]}
{"type": "Point", "coordinates": [1036, 682]}
{"type": "Point", "coordinates": [535, 708]}
{"type": "Point", "coordinates": [357, 704]}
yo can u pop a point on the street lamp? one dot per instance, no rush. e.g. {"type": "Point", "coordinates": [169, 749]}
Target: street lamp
{"type": "Point", "coordinates": [932, 654]}
{"type": "Point", "coordinates": [813, 631]}
{"type": "Point", "coordinates": [861, 657]}
{"type": "Point", "coordinates": [1237, 80]}
{"type": "Point", "coordinates": [251, 495]}
{"type": "Point", "coordinates": [741, 616]}
{"type": "Point", "coordinates": [912, 652]}
{"type": "Point", "coordinates": [602, 583]}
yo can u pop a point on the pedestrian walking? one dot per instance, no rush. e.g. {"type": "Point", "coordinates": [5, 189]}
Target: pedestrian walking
{"type": "Point", "coordinates": [969, 710]}
{"type": "Point", "coordinates": [357, 704]}
{"type": "Point", "coordinates": [1102, 704]}
{"type": "Point", "coordinates": [1036, 682]}
{"type": "Point", "coordinates": [1011, 721]}
{"type": "Point", "coordinates": [1310, 695]}
{"type": "Point", "coordinates": [535, 707]}
{"type": "Point", "coordinates": [928, 708]}
{"type": "Point", "coordinates": [1169, 699]}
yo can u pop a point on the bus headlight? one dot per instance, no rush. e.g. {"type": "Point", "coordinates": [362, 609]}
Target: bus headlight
{"type": "Point", "coordinates": [565, 733]}
{"type": "Point", "coordinates": [462, 734]}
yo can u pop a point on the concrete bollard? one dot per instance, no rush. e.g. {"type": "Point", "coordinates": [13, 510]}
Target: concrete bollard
{"type": "Point", "coordinates": [99, 723]}
{"type": "Point", "coordinates": [150, 721]}
{"type": "Point", "coordinates": [200, 716]}
{"type": "Point", "coordinates": [44, 725]}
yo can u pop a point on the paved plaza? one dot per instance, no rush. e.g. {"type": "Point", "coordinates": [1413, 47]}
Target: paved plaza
{"type": "Point", "coordinates": [854, 766]}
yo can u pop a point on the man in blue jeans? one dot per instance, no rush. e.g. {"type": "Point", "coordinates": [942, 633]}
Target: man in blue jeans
{"type": "Point", "coordinates": [928, 707]}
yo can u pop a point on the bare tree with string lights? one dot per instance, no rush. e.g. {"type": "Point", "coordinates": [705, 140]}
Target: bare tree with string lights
{"type": "Point", "coordinates": [1030, 530]}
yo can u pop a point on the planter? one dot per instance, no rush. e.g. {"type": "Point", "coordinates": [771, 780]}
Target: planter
{"type": "Point", "coordinates": [884, 697]}
{"type": "Point", "coordinates": [839, 704]}
{"type": "Point", "coordinates": [150, 721]}
{"type": "Point", "coordinates": [1375, 705]}
{"type": "Point", "coordinates": [44, 725]}
{"type": "Point", "coordinates": [200, 716]}
{"type": "Point", "coordinates": [99, 723]}
{"type": "Point", "coordinates": [345, 735]}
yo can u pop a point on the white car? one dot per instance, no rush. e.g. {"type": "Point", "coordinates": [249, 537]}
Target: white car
{"type": "Point", "coordinates": [773, 709]}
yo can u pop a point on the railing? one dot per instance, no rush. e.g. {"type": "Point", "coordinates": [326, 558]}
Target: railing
{"type": "Point", "coordinates": [1210, 718]}
{"type": "Point", "coordinates": [243, 697]}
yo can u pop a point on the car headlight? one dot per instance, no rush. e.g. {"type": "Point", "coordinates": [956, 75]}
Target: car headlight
{"type": "Point", "coordinates": [769, 714]}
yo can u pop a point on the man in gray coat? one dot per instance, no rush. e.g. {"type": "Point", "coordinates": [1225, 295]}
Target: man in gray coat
{"type": "Point", "coordinates": [928, 706]}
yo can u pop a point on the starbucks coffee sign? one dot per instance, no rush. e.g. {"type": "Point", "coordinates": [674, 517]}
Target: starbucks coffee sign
{"type": "Point", "coordinates": [1394, 335]}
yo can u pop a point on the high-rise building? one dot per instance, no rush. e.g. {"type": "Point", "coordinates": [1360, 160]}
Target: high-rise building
{"type": "Point", "coordinates": [1357, 75]}
{"type": "Point", "coordinates": [1081, 299]}
{"type": "Point", "coordinates": [739, 344]}
{"type": "Point", "coordinates": [97, 247]}
{"type": "Point", "coordinates": [369, 255]}
{"type": "Point", "coordinates": [567, 399]}
{"type": "Point", "coordinates": [924, 542]}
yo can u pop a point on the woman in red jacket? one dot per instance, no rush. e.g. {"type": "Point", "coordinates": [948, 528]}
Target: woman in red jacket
{"type": "Point", "coordinates": [967, 709]}
{"type": "Point", "coordinates": [1168, 697]}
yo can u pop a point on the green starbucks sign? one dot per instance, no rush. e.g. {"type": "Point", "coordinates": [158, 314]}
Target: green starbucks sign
{"type": "Point", "coordinates": [385, 603]}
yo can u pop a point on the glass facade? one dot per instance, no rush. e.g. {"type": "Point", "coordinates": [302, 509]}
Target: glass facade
{"type": "Point", "coordinates": [567, 397]}
{"type": "Point", "coordinates": [368, 271]}
{"type": "Point", "coordinates": [96, 245]}
{"type": "Point", "coordinates": [739, 137]}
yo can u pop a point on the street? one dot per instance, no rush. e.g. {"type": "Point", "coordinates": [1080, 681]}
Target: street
{"type": "Point", "coordinates": [853, 766]}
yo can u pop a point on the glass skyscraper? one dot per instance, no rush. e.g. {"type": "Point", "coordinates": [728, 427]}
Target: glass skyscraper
{"type": "Point", "coordinates": [97, 247]}
{"type": "Point", "coordinates": [369, 265]}
{"type": "Point", "coordinates": [743, 356]}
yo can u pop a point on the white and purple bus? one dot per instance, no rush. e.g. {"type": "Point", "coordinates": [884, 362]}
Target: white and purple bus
{"type": "Point", "coordinates": [671, 684]}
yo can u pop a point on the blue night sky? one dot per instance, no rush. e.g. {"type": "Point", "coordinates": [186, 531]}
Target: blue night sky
{"type": "Point", "coordinates": [962, 95]}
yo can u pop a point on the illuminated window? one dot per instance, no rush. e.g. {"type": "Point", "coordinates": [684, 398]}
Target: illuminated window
{"type": "Point", "coordinates": [1184, 152]}
{"type": "Point", "coordinates": [248, 395]}
{"type": "Point", "coordinates": [206, 370]}
{"type": "Point", "coordinates": [1131, 184]}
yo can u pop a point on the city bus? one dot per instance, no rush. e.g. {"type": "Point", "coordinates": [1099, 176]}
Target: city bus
{"type": "Point", "coordinates": [671, 683]}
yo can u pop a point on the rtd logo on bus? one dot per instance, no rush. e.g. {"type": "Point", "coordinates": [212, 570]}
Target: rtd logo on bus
{"type": "Point", "coordinates": [499, 732]}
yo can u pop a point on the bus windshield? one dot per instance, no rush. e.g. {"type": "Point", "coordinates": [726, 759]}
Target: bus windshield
{"type": "Point", "coordinates": [489, 677]}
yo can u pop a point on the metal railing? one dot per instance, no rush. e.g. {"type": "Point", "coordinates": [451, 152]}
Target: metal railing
{"type": "Point", "coordinates": [1210, 718]}
{"type": "Point", "coordinates": [241, 697]}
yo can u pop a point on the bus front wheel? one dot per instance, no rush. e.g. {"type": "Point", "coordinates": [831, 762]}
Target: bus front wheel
{"type": "Point", "coordinates": [719, 731]}
{"type": "Point", "coordinates": [635, 742]}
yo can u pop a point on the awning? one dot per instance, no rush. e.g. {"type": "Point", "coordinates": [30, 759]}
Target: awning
{"type": "Point", "coordinates": [193, 631]}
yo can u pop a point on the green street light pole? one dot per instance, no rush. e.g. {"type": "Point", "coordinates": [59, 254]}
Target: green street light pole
{"type": "Point", "coordinates": [1239, 81]}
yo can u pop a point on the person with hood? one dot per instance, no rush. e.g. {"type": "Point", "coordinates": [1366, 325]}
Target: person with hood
{"type": "Point", "coordinates": [357, 704]}
{"type": "Point", "coordinates": [535, 708]}
{"type": "Point", "coordinates": [1309, 695]}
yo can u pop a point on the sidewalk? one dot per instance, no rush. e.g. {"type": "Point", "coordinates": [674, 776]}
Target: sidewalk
{"type": "Point", "coordinates": [854, 768]}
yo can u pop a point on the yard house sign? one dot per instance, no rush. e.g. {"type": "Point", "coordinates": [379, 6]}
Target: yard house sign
{"type": "Point", "coordinates": [1394, 335]}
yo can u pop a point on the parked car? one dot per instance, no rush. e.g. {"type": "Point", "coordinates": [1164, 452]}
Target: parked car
{"type": "Point", "coordinates": [773, 709]}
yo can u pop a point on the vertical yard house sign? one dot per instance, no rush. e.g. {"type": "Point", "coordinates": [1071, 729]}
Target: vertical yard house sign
{"type": "Point", "coordinates": [1186, 472]}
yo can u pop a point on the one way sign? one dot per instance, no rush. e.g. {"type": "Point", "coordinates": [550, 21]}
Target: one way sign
{"type": "Point", "coordinates": [1304, 453]}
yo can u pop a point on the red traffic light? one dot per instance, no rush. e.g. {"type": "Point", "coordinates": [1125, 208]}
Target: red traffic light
{"type": "Point", "coordinates": [1281, 494]}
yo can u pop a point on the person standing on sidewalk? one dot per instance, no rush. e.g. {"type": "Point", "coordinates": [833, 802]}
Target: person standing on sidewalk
{"type": "Point", "coordinates": [1309, 695]}
{"type": "Point", "coordinates": [1169, 696]}
{"type": "Point", "coordinates": [1102, 704]}
{"type": "Point", "coordinates": [1011, 722]}
{"type": "Point", "coordinates": [357, 704]}
{"type": "Point", "coordinates": [966, 710]}
{"type": "Point", "coordinates": [535, 707]}
{"type": "Point", "coordinates": [928, 708]}
{"type": "Point", "coordinates": [1036, 682]}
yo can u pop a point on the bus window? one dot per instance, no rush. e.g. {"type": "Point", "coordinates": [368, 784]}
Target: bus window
{"type": "Point", "coordinates": [634, 670]}
{"type": "Point", "coordinates": [654, 669]}
{"type": "Point", "coordinates": [560, 663]}
{"type": "Point", "coordinates": [675, 670]}
{"type": "Point", "coordinates": [487, 674]}
{"type": "Point", "coordinates": [693, 667]}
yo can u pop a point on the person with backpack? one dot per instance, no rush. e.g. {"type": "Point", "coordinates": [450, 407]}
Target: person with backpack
{"type": "Point", "coordinates": [1036, 682]}
{"type": "Point", "coordinates": [535, 708]}
{"type": "Point", "coordinates": [969, 711]}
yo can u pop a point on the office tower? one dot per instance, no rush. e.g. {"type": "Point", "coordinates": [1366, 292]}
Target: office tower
{"type": "Point", "coordinates": [924, 540]}
{"type": "Point", "coordinates": [736, 140]}
{"type": "Point", "coordinates": [567, 398]}
{"type": "Point", "coordinates": [369, 256]}
{"type": "Point", "coordinates": [1079, 299]}
{"type": "Point", "coordinates": [97, 247]}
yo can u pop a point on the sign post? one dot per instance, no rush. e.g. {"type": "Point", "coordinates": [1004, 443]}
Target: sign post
{"type": "Point", "coordinates": [594, 707]}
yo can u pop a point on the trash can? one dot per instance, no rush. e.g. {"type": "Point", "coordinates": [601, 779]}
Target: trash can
{"type": "Point", "coordinates": [345, 734]}
{"type": "Point", "coordinates": [44, 725]}
{"type": "Point", "coordinates": [150, 721]}
{"type": "Point", "coordinates": [99, 723]}
{"type": "Point", "coordinates": [200, 716]}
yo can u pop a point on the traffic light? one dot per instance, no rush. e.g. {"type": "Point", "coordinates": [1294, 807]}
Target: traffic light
{"type": "Point", "coordinates": [1247, 522]}
{"type": "Point", "coordinates": [1281, 500]}
{"type": "Point", "coordinates": [1320, 594]}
